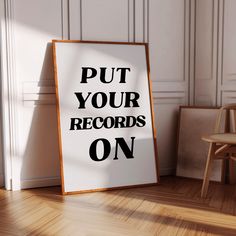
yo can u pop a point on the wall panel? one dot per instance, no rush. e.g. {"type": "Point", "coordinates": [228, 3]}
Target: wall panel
{"type": "Point", "coordinates": [36, 23]}
{"type": "Point", "coordinates": [166, 118]}
{"type": "Point", "coordinates": [229, 48]}
{"type": "Point", "coordinates": [228, 97]}
{"type": "Point", "coordinates": [206, 52]}
{"type": "Point", "coordinates": [166, 38]}
{"type": "Point", "coordinates": [105, 20]}
{"type": "Point", "coordinates": [227, 72]}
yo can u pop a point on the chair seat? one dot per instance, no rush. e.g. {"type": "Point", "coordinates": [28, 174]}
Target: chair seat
{"type": "Point", "coordinates": [228, 138]}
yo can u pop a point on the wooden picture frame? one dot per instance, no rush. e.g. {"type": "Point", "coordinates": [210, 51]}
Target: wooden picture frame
{"type": "Point", "coordinates": [89, 56]}
{"type": "Point", "coordinates": [194, 122]}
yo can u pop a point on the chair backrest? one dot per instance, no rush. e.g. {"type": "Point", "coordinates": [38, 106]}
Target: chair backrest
{"type": "Point", "coordinates": [230, 119]}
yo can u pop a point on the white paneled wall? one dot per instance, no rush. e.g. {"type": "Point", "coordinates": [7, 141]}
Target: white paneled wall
{"type": "Point", "coordinates": [192, 56]}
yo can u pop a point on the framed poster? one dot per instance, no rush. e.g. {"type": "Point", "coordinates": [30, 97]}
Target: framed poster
{"type": "Point", "coordinates": [105, 115]}
{"type": "Point", "coordinates": [194, 122]}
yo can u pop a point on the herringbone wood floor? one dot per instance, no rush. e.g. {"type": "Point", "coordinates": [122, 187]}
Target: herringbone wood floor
{"type": "Point", "coordinates": [172, 208]}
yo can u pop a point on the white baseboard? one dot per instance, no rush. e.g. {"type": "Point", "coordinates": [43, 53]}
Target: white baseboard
{"type": "Point", "coordinates": [55, 181]}
{"type": "Point", "coordinates": [167, 171]}
{"type": "Point", "coordinates": [40, 182]}
{"type": "Point", "coordinates": [1, 180]}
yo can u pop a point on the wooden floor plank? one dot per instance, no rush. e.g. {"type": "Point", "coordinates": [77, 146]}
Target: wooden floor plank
{"type": "Point", "coordinates": [172, 208]}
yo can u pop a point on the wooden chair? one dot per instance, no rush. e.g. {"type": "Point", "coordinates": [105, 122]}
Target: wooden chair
{"type": "Point", "coordinates": [222, 144]}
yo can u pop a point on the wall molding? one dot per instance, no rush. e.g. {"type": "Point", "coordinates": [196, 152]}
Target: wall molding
{"type": "Point", "coordinates": [139, 21]}
{"type": "Point", "coordinates": [205, 74]}
{"type": "Point", "coordinates": [167, 171]}
{"type": "Point", "coordinates": [226, 80]}
{"type": "Point", "coordinates": [65, 18]}
{"type": "Point", "coordinates": [191, 56]}
{"type": "Point", "coordinates": [1, 180]}
{"type": "Point", "coordinates": [173, 95]}
{"type": "Point", "coordinates": [40, 182]}
{"type": "Point", "coordinates": [228, 97]}
{"type": "Point", "coordinates": [220, 52]}
{"type": "Point", "coordinates": [44, 94]}
{"type": "Point", "coordinates": [10, 98]}
{"type": "Point", "coordinates": [213, 39]}
{"type": "Point", "coordinates": [56, 181]}
{"type": "Point", "coordinates": [2, 65]}
{"type": "Point", "coordinates": [39, 93]}
{"type": "Point", "coordinates": [74, 23]}
{"type": "Point", "coordinates": [186, 40]}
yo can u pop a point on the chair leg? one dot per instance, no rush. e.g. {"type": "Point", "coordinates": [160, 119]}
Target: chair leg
{"type": "Point", "coordinates": [207, 173]}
